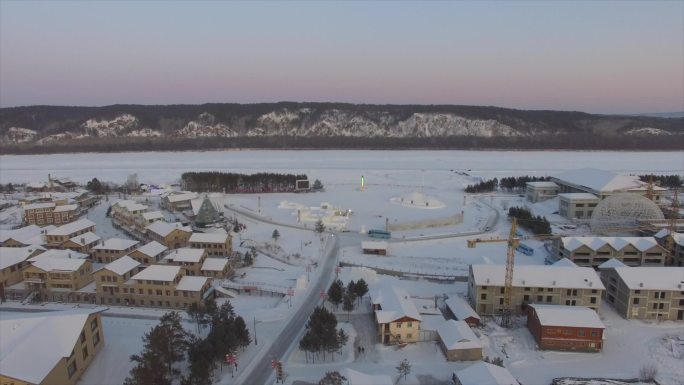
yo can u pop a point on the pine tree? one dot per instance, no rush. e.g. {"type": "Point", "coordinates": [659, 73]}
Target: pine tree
{"type": "Point", "coordinates": [348, 303]}
{"type": "Point", "coordinates": [275, 235]}
{"type": "Point", "coordinates": [335, 293]}
{"type": "Point", "coordinates": [320, 227]}
{"type": "Point", "coordinates": [404, 368]}
{"type": "Point", "coordinates": [241, 332]}
{"type": "Point", "coordinates": [169, 340]}
{"type": "Point", "coordinates": [317, 185]}
{"type": "Point", "coordinates": [148, 369]}
{"type": "Point", "coordinates": [342, 339]}
{"type": "Point", "coordinates": [360, 289]}
{"type": "Point", "coordinates": [202, 364]}
{"type": "Point", "coordinates": [333, 378]}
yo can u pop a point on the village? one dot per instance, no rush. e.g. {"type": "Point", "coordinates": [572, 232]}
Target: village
{"type": "Point", "coordinates": [442, 281]}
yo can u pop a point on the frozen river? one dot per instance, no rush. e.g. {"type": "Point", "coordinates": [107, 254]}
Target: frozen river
{"type": "Point", "coordinates": [166, 167]}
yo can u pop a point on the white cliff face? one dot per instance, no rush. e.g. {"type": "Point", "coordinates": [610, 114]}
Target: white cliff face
{"type": "Point", "coordinates": [647, 131]}
{"type": "Point", "coordinates": [118, 126]}
{"type": "Point", "coordinates": [436, 124]}
{"type": "Point", "coordinates": [205, 126]}
{"type": "Point", "coordinates": [19, 135]}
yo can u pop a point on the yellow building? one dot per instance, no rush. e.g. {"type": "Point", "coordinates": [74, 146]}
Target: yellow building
{"type": "Point", "coordinates": [191, 260]}
{"type": "Point", "coordinates": [111, 249]}
{"type": "Point", "coordinates": [12, 260]}
{"type": "Point", "coordinates": [398, 320]}
{"type": "Point", "coordinates": [58, 236]}
{"type": "Point", "coordinates": [49, 213]}
{"type": "Point", "coordinates": [125, 213]}
{"type": "Point", "coordinates": [165, 286]}
{"type": "Point", "coordinates": [83, 243]}
{"type": "Point", "coordinates": [111, 280]}
{"type": "Point", "coordinates": [56, 279]}
{"type": "Point", "coordinates": [51, 348]}
{"type": "Point", "coordinates": [171, 235]}
{"type": "Point", "coordinates": [216, 244]}
{"type": "Point", "coordinates": [149, 254]}
{"type": "Point", "coordinates": [24, 236]}
{"type": "Point", "coordinates": [216, 268]}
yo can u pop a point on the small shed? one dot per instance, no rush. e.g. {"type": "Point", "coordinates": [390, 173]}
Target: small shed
{"type": "Point", "coordinates": [462, 311]}
{"type": "Point", "coordinates": [374, 247]}
{"type": "Point", "coordinates": [458, 342]}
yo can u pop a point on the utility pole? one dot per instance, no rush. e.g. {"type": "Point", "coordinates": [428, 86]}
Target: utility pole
{"type": "Point", "coordinates": [255, 336]}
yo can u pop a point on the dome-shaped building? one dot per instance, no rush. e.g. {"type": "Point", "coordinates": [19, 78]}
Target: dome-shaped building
{"type": "Point", "coordinates": [621, 213]}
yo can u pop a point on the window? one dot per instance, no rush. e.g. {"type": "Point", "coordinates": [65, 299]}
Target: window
{"type": "Point", "coordinates": [637, 291]}
{"type": "Point", "coordinates": [549, 298]}
{"type": "Point", "coordinates": [501, 300]}
{"type": "Point", "coordinates": [93, 324]}
{"type": "Point", "coordinates": [635, 301]}
{"type": "Point", "coordinates": [526, 298]}
{"type": "Point", "coordinates": [409, 324]}
{"type": "Point", "coordinates": [409, 335]}
{"type": "Point", "coordinates": [661, 306]}
{"type": "Point", "coordinates": [71, 369]}
{"type": "Point", "coordinates": [501, 290]}
{"type": "Point", "coordinates": [483, 296]}
{"type": "Point", "coordinates": [594, 334]}
{"type": "Point", "coordinates": [398, 325]}
{"type": "Point", "coordinates": [580, 333]}
{"type": "Point", "coordinates": [655, 306]}
{"type": "Point", "coordinates": [592, 300]}
{"type": "Point", "coordinates": [540, 298]}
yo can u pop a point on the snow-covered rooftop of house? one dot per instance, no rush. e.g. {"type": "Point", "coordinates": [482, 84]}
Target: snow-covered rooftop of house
{"type": "Point", "coordinates": [148, 216]}
{"type": "Point", "coordinates": [564, 262]}
{"type": "Point", "coordinates": [152, 249]}
{"type": "Point", "coordinates": [214, 264]}
{"type": "Point", "coordinates": [374, 245]}
{"type": "Point", "coordinates": [485, 373]}
{"type": "Point", "coordinates": [185, 196]}
{"type": "Point", "coordinates": [27, 235]}
{"type": "Point", "coordinates": [22, 347]}
{"type": "Point", "coordinates": [58, 264]}
{"type": "Point", "coordinates": [63, 208]}
{"type": "Point", "coordinates": [58, 253]}
{"type": "Point", "coordinates": [209, 237]}
{"type": "Point", "coordinates": [613, 262]}
{"type": "Point", "coordinates": [122, 265]}
{"type": "Point", "coordinates": [116, 244]}
{"type": "Point", "coordinates": [10, 256]}
{"type": "Point", "coordinates": [601, 180]}
{"type": "Point", "coordinates": [35, 206]}
{"type": "Point", "coordinates": [574, 316]}
{"type": "Point", "coordinates": [395, 303]}
{"type": "Point", "coordinates": [215, 200]}
{"type": "Point", "coordinates": [164, 228]}
{"type": "Point", "coordinates": [158, 273]}
{"type": "Point", "coordinates": [538, 276]}
{"type": "Point", "coordinates": [461, 308]}
{"type": "Point", "coordinates": [677, 237]}
{"type": "Point", "coordinates": [617, 243]}
{"type": "Point", "coordinates": [185, 255]}
{"type": "Point", "coordinates": [130, 205]}
{"type": "Point", "coordinates": [358, 378]}
{"type": "Point", "coordinates": [72, 227]}
{"type": "Point", "coordinates": [457, 335]}
{"type": "Point", "coordinates": [191, 283]}
{"type": "Point", "coordinates": [579, 196]}
{"type": "Point", "coordinates": [652, 278]}
{"type": "Point", "coordinates": [85, 238]}
{"type": "Point", "coordinates": [543, 184]}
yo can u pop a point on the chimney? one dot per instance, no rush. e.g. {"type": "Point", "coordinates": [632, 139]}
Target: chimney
{"type": "Point", "coordinates": [554, 283]}
{"type": "Point", "coordinates": [83, 241]}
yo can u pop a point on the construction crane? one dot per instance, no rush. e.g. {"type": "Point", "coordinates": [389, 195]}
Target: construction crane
{"type": "Point", "coordinates": [671, 227]}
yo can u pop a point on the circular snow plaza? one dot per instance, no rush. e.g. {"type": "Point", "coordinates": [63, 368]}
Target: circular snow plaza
{"type": "Point", "coordinates": [622, 212]}
{"type": "Point", "coordinates": [418, 200]}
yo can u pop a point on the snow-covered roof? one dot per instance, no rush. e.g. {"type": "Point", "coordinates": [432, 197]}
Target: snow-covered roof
{"type": "Point", "coordinates": [23, 352]}
{"type": "Point", "coordinates": [374, 245]}
{"type": "Point", "coordinates": [185, 196]}
{"type": "Point", "coordinates": [395, 303]}
{"type": "Point", "coordinates": [72, 227]}
{"type": "Point", "coordinates": [209, 237]}
{"type": "Point", "coordinates": [59, 253]}
{"type": "Point", "coordinates": [122, 265]}
{"type": "Point", "coordinates": [27, 235]}
{"type": "Point", "coordinates": [601, 180]}
{"type": "Point", "coordinates": [652, 278]}
{"type": "Point", "coordinates": [116, 244]}
{"type": "Point", "coordinates": [158, 273]}
{"type": "Point", "coordinates": [564, 262]}
{"type": "Point", "coordinates": [152, 215]}
{"type": "Point", "coordinates": [152, 249]}
{"type": "Point", "coordinates": [58, 264]}
{"type": "Point", "coordinates": [543, 184]}
{"type": "Point", "coordinates": [574, 316]}
{"type": "Point", "coordinates": [214, 264]}
{"type": "Point", "coordinates": [85, 238]}
{"type": "Point", "coordinates": [358, 378]}
{"type": "Point", "coordinates": [613, 262]}
{"type": "Point", "coordinates": [617, 243]}
{"type": "Point", "coordinates": [63, 208]}
{"type": "Point", "coordinates": [10, 256]}
{"type": "Point", "coordinates": [191, 283]}
{"type": "Point", "coordinates": [186, 255]}
{"type": "Point", "coordinates": [538, 276]}
{"type": "Point", "coordinates": [44, 205]}
{"type": "Point", "coordinates": [579, 197]}
{"type": "Point", "coordinates": [677, 237]}
{"type": "Point", "coordinates": [130, 205]}
{"type": "Point", "coordinates": [457, 335]}
{"type": "Point", "coordinates": [461, 308]}
{"type": "Point", "coordinates": [164, 228]}
{"type": "Point", "coordinates": [485, 373]}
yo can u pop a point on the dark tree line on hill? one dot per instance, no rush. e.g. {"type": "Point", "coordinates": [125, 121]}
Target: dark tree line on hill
{"type": "Point", "coordinates": [519, 183]}
{"type": "Point", "coordinates": [322, 335]}
{"type": "Point", "coordinates": [668, 181]}
{"type": "Point", "coordinates": [482, 186]}
{"type": "Point", "coordinates": [214, 181]}
{"type": "Point", "coordinates": [168, 345]}
{"type": "Point", "coordinates": [537, 225]}
{"type": "Point", "coordinates": [537, 142]}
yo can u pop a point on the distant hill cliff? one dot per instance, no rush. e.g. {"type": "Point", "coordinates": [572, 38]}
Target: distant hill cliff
{"type": "Point", "coordinates": [37, 129]}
